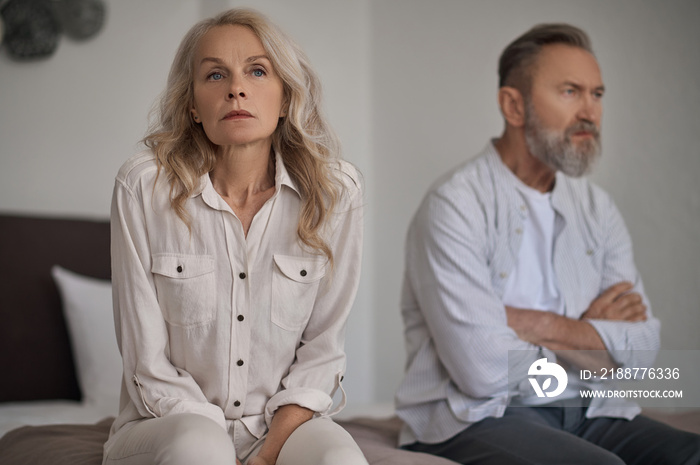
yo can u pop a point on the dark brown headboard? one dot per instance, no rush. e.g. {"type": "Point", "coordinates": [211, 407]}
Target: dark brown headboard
{"type": "Point", "coordinates": [35, 355]}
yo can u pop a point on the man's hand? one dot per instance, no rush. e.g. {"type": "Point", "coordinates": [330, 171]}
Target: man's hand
{"type": "Point", "coordinates": [616, 304]}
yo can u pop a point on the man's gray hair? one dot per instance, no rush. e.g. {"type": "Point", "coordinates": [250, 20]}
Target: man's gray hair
{"type": "Point", "coordinates": [515, 65]}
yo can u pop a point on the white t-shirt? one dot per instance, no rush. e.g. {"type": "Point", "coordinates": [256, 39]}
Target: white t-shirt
{"type": "Point", "coordinates": [532, 283]}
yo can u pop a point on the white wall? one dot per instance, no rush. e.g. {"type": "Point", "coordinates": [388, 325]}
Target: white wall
{"type": "Point", "coordinates": [410, 88]}
{"type": "Point", "coordinates": [434, 82]}
{"type": "Point", "coordinates": [68, 122]}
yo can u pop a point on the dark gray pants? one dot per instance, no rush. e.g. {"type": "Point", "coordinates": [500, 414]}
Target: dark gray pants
{"type": "Point", "coordinates": [562, 436]}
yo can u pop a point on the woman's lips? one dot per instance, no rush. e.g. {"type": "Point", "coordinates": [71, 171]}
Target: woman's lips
{"type": "Point", "coordinates": [237, 114]}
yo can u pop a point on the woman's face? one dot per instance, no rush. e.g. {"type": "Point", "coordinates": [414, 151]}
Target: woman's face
{"type": "Point", "coordinates": [238, 96]}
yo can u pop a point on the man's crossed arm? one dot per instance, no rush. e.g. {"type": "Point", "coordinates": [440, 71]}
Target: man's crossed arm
{"type": "Point", "coordinates": [559, 333]}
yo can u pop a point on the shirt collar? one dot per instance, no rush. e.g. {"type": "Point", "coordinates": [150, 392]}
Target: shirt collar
{"type": "Point", "coordinates": [282, 177]}
{"type": "Point", "coordinates": [503, 176]}
{"type": "Point", "coordinates": [560, 195]}
{"type": "Point", "coordinates": [214, 200]}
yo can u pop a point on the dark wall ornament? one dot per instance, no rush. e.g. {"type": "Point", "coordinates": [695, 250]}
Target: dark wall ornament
{"type": "Point", "coordinates": [80, 19]}
{"type": "Point", "coordinates": [2, 29]}
{"type": "Point", "coordinates": [32, 28]}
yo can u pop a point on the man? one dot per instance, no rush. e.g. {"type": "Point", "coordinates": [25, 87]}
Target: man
{"type": "Point", "coordinates": [514, 257]}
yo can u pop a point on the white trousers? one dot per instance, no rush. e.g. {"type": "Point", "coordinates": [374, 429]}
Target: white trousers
{"type": "Point", "coordinates": [189, 439]}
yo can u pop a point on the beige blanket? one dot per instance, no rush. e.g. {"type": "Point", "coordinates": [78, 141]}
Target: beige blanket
{"type": "Point", "coordinates": [82, 444]}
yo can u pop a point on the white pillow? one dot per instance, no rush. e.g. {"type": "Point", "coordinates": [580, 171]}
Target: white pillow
{"type": "Point", "coordinates": [87, 305]}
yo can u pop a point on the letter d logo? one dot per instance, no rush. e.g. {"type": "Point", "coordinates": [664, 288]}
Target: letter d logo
{"type": "Point", "coordinates": [542, 367]}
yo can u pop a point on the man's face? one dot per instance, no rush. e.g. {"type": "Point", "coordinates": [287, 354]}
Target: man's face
{"type": "Point", "coordinates": [563, 110]}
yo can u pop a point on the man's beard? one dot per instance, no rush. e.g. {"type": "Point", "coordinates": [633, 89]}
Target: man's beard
{"type": "Point", "coordinates": [557, 150]}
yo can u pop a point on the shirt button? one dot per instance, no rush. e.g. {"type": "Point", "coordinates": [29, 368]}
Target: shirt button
{"type": "Point", "coordinates": [179, 268]}
{"type": "Point", "coordinates": [519, 231]}
{"type": "Point", "coordinates": [241, 318]}
{"type": "Point", "coordinates": [239, 363]}
{"type": "Point", "coordinates": [589, 252]}
{"type": "Point", "coordinates": [523, 207]}
{"type": "Point", "coordinates": [503, 275]}
{"type": "Point", "coordinates": [303, 272]}
{"type": "Point", "coordinates": [237, 404]}
{"type": "Point", "coordinates": [242, 275]}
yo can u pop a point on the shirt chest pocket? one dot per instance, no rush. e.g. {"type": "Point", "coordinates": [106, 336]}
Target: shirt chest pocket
{"type": "Point", "coordinates": [295, 282]}
{"type": "Point", "coordinates": [186, 288]}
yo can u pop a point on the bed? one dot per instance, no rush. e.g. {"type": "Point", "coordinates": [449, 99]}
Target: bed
{"type": "Point", "coordinates": [61, 367]}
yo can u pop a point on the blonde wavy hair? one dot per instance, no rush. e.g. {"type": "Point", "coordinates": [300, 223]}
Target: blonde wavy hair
{"type": "Point", "coordinates": [303, 138]}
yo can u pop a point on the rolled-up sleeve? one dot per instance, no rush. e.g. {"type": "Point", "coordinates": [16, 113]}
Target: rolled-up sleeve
{"type": "Point", "coordinates": [630, 344]}
{"type": "Point", "coordinates": [155, 387]}
{"type": "Point", "coordinates": [319, 362]}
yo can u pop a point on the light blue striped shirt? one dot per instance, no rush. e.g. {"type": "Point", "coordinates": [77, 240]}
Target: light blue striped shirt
{"type": "Point", "coordinates": [461, 246]}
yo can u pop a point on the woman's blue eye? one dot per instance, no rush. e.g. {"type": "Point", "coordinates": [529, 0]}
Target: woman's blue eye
{"type": "Point", "coordinates": [215, 76]}
{"type": "Point", "coordinates": [258, 73]}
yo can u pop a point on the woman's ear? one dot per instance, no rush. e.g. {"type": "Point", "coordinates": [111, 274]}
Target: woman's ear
{"type": "Point", "coordinates": [195, 116]}
{"type": "Point", "coordinates": [512, 105]}
{"type": "Point", "coordinates": [285, 106]}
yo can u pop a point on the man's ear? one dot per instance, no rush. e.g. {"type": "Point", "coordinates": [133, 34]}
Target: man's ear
{"type": "Point", "coordinates": [512, 105]}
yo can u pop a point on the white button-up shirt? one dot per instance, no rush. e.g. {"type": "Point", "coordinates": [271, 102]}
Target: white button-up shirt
{"type": "Point", "coordinates": [220, 324]}
{"type": "Point", "coordinates": [461, 248]}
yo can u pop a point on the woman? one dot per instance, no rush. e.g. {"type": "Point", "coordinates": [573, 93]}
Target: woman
{"type": "Point", "coordinates": [236, 244]}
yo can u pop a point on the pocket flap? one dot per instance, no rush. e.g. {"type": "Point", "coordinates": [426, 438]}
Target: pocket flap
{"type": "Point", "coordinates": [301, 269]}
{"type": "Point", "coordinates": [182, 266]}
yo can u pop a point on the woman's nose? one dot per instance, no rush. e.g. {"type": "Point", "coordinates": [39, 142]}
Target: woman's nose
{"type": "Point", "coordinates": [236, 89]}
